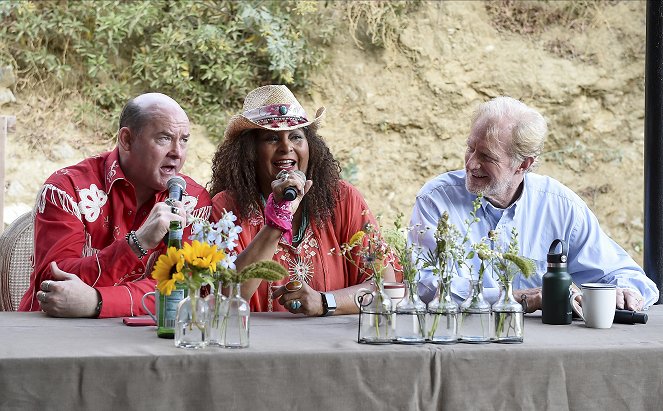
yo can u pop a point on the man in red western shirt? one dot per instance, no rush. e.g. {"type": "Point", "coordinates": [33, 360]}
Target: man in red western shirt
{"type": "Point", "coordinates": [104, 218]}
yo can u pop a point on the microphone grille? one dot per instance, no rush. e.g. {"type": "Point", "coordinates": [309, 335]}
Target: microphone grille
{"type": "Point", "coordinates": [176, 181]}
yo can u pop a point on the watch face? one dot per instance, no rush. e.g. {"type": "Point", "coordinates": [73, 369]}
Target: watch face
{"type": "Point", "coordinates": [330, 301]}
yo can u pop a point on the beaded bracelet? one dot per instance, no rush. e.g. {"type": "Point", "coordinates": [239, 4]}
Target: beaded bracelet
{"type": "Point", "coordinates": [132, 235]}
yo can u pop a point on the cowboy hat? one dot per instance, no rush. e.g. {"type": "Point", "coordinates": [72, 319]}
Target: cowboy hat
{"type": "Point", "coordinates": [272, 107]}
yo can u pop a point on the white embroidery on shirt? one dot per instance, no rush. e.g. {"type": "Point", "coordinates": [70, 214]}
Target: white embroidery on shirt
{"type": "Point", "coordinates": [92, 199]}
{"type": "Point", "coordinates": [88, 250]}
{"type": "Point", "coordinates": [112, 172]}
{"type": "Point", "coordinates": [59, 198]}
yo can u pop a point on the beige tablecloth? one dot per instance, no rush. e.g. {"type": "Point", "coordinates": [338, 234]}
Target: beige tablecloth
{"type": "Point", "coordinates": [297, 363]}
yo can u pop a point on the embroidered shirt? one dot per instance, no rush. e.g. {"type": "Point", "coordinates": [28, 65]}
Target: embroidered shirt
{"type": "Point", "coordinates": [310, 260]}
{"type": "Point", "coordinates": [546, 210]}
{"type": "Point", "coordinates": [83, 213]}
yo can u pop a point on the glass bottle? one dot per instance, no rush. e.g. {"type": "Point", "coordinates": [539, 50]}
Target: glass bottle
{"type": "Point", "coordinates": [474, 322]}
{"type": "Point", "coordinates": [166, 305]}
{"type": "Point", "coordinates": [410, 317]}
{"type": "Point", "coordinates": [508, 318]}
{"type": "Point", "coordinates": [442, 318]}
{"type": "Point", "coordinates": [192, 321]}
{"type": "Point", "coordinates": [375, 316]}
{"type": "Point", "coordinates": [217, 303]}
{"type": "Point", "coordinates": [234, 322]}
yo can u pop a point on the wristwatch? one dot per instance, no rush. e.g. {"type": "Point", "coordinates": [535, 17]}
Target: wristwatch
{"type": "Point", "coordinates": [328, 304]}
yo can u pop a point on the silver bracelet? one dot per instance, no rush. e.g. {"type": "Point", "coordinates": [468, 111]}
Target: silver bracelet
{"type": "Point", "coordinates": [132, 235]}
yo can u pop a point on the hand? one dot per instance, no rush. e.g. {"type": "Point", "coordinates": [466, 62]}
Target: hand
{"type": "Point", "coordinates": [67, 296]}
{"type": "Point", "coordinates": [532, 296]}
{"type": "Point", "coordinates": [291, 180]}
{"type": "Point", "coordinates": [155, 227]}
{"type": "Point", "coordinates": [310, 300]}
{"type": "Point", "coordinates": [629, 299]}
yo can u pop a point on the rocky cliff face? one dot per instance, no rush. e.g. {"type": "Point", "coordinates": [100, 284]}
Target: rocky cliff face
{"type": "Point", "coordinates": [399, 116]}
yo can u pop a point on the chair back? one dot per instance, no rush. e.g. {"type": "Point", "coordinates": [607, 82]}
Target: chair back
{"type": "Point", "coordinates": [16, 261]}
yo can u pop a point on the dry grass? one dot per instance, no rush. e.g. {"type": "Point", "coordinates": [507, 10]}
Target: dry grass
{"type": "Point", "coordinates": [376, 22]}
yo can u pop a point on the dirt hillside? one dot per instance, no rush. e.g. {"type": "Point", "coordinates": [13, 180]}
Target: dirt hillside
{"type": "Point", "coordinates": [398, 116]}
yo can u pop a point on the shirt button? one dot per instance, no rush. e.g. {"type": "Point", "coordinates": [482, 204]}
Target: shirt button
{"type": "Point", "coordinates": [129, 212]}
{"type": "Point", "coordinates": [133, 272]}
{"type": "Point", "coordinates": [140, 270]}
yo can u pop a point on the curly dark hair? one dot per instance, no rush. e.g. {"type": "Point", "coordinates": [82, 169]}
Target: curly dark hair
{"type": "Point", "coordinates": [234, 169]}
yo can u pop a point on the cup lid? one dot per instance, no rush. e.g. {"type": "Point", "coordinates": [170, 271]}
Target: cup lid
{"type": "Point", "coordinates": [598, 286]}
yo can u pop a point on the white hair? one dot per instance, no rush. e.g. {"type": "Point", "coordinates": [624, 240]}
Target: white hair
{"type": "Point", "coordinates": [528, 127]}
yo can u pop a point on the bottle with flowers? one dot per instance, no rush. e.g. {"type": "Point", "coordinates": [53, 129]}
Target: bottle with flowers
{"type": "Point", "coordinates": [375, 308]}
{"type": "Point", "coordinates": [410, 312]}
{"type": "Point", "coordinates": [208, 260]}
{"type": "Point", "coordinates": [508, 318]}
{"type": "Point", "coordinates": [449, 254]}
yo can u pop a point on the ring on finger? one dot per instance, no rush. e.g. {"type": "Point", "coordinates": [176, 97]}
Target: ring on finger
{"type": "Point", "coordinates": [175, 210]}
{"type": "Point", "coordinates": [46, 285]}
{"type": "Point", "coordinates": [170, 201]}
{"type": "Point", "coordinates": [283, 175]}
{"type": "Point", "coordinates": [41, 296]}
{"type": "Point", "coordinates": [293, 285]}
{"type": "Point", "coordinates": [295, 304]}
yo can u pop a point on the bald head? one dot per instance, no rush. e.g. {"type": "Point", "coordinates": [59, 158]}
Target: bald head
{"type": "Point", "coordinates": [136, 113]}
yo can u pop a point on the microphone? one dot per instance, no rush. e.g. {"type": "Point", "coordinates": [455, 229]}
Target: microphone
{"type": "Point", "coordinates": [630, 317]}
{"type": "Point", "coordinates": [176, 186]}
{"type": "Point", "coordinates": [290, 193]}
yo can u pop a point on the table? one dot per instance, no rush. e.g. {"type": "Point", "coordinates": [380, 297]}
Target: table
{"type": "Point", "coordinates": [297, 363]}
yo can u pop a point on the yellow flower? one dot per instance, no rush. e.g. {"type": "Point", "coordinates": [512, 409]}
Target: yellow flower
{"type": "Point", "coordinates": [202, 255]}
{"type": "Point", "coordinates": [356, 237]}
{"type": "Point", "coordinates": [168, 270]}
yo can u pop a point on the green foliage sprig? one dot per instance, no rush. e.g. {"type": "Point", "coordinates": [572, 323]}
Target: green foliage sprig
{"type": "Point", "coordinates": [205, 54]}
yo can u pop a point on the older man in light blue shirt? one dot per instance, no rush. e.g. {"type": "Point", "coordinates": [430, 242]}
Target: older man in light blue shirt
{"type": "Point", "coordinates": [505, 141]}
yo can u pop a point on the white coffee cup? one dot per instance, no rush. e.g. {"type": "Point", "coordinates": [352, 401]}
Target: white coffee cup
{"type": "Point", "coordinates": [598, 304]}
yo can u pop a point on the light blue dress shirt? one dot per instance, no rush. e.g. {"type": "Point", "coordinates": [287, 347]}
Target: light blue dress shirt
{"type": "Point", "coordinates": [546, 210]}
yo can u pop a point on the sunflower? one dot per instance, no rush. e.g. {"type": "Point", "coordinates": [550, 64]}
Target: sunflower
{"type": "Point", "coordinates": [168, 270]}
{"type": "Point", "coordinates": [203, 256]}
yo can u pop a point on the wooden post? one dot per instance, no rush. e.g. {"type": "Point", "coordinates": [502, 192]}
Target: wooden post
{"type": "Point", "coordinates": [7, 125]}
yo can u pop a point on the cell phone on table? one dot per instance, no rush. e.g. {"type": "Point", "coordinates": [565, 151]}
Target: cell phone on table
{"type": "Point", "coordinates": [138, 321]}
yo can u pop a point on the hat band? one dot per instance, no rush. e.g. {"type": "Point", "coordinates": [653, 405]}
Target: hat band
{"type": "Point", "coordinates": [280, 121]}
{"type": "Point", "coordinates": [275, 111]}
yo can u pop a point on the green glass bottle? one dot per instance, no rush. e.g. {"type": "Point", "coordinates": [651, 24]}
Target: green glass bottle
{"type": "Point", "coordinates": [556, 288]}
{"type": "Point", "coordinates": [167, 304]}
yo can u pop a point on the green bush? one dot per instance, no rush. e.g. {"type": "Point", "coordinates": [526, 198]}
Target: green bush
{"type": "Point", "coordinates": [205, 54]}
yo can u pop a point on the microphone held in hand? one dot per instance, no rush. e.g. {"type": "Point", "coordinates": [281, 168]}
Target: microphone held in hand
{"type": "Point", "coordinates": [291, 192]}
{"type": "Point", "coordinates": [176, 186]}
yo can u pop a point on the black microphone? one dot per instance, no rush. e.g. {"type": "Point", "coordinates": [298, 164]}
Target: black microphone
{"type": "Point", "coordinates": [290, 193]}
{"type": "Point", "coordinates": [176, 186]}
{"type": "Point", "coordinates": [630, 317]}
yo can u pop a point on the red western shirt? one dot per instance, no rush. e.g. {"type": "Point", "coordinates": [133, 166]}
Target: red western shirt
{"type": "Point", "coordinates": [83, 213]}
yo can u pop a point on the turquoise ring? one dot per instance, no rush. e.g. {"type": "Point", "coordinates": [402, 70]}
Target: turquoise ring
{"type": "Point", "coordinates": [295, 304]}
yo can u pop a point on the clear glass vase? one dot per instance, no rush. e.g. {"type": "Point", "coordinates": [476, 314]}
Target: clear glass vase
{"type": "Point", "coordinates": [375, 317]}
{"type": "Point", "coordinates": [442, 318]}
{"type": "Point", "coordinates": [234, 320]}
{"type": "Point", "coordinates": [508, 317]}
{"type": "Point", "coordinates": [474, 322]}
{"type": "Point", "coordinates": [410, 317]}
{"type": "Point", "coordinates": [217, 303]}
{"type": "Point", "coordinates": [191, 321]}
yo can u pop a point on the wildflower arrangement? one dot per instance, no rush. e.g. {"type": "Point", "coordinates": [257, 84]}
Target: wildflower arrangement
{"type": "Point", "coordinates": [407, 254]}
{"type": "Point", "coordinates": [450, 251]}
{"type": "Point", "coordinates": [373, 251]}
{"type": "Point", "coordinates": [210, 259]}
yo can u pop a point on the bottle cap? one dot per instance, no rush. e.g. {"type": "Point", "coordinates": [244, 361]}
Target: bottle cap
{"type": "Point", "coordinates": [556, 259]}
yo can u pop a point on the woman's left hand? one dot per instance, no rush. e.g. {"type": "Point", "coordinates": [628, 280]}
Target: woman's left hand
{"type": "Point", "coordinates": [304, 300]}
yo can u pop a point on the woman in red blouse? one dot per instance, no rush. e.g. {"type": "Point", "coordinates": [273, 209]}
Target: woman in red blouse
{"type": "Point", "coordinates": [269, 148]}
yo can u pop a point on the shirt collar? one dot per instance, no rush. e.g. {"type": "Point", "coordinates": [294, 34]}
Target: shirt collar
{"type": "Point", "coordinates": [112, 170]}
